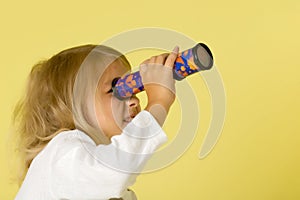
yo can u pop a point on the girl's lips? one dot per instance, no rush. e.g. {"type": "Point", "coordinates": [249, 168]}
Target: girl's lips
{"type": "Point", "coordinates": [129, 119]}
{"type": "Point", "coordinates": [133, 112]}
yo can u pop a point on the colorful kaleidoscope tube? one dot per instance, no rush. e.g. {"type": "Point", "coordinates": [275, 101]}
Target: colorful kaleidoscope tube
{"type": "Point", "coordinates": [188, 62]}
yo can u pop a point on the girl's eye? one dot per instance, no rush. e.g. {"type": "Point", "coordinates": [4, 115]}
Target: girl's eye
{"type": "Point", "coordinates": [113, 84]}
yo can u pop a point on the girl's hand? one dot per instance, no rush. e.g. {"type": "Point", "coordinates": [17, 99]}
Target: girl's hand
{"type": "Point", "coordinates": [157, 78]}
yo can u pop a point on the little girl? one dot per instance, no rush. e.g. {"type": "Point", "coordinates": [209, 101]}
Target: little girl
{"type": "Point", "coordinates": [77, 140]}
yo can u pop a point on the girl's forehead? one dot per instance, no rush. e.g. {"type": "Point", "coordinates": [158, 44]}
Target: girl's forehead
{"type": "Point", "coordinates": [115, 69]}
{"type": "Point", "coordinates": [118, 65]}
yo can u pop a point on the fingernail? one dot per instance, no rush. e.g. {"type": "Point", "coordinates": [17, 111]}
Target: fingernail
{"type": "Point", "coordinates": [176, 49]}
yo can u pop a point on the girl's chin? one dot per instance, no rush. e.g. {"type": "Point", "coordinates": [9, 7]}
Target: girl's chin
{"type": "Point", "coordinates": [125, 123]}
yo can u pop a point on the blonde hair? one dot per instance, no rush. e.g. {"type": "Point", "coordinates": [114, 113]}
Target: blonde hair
{"type": "Point", "coordinates": [58, 97]}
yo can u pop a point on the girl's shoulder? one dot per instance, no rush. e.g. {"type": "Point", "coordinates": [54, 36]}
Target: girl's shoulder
{"type": "Point", "coordinates": [67, 136]}
{"type": "Point", "coordinates": [66, 141]}
{"type": "Point", "coordinates": [63, 144]}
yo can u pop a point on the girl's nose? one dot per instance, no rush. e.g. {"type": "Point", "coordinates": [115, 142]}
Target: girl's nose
{"type": "Point", "coordinates": [133, 102]}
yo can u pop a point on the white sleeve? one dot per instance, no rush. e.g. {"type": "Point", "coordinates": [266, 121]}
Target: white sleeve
{"type": "Point", "coordinates": [87, 171]}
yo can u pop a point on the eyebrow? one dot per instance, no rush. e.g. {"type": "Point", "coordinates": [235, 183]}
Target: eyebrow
{"type": "Point", "coordinates": [106, 85]}
{"type": "Point", "coordinates": [109, 82]}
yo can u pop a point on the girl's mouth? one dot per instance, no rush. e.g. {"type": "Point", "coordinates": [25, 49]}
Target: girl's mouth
{"type": "Point", "coordinates": [133, 112]}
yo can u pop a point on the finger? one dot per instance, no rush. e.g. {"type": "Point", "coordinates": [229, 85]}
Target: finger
{"type": "Point", "coordinates": [160, 59]}
{"type": "Point", "coordinates": [172, 57]}
{"type": "Point", "coordinates": [145, 62]}
{"type": "Point", "coordinates": [152, 60]}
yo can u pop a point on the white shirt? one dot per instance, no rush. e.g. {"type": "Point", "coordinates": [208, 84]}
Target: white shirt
{"type": "Point", "coordinates": [72, 166]}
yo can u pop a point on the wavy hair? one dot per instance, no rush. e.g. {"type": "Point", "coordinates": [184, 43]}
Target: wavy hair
{"type": "Point", "coordinates": [56, 98]}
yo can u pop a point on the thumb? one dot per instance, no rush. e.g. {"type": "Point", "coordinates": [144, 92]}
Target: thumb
{"type": "Point", "coordinates": [172, 57]}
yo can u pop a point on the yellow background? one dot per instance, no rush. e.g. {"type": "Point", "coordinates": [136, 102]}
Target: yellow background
{"type": "Point", "coordinates": [256, 47]}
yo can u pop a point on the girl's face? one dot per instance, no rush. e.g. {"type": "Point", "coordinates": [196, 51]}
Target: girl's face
{"type": "Point", "coordinates": [113, 114]}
